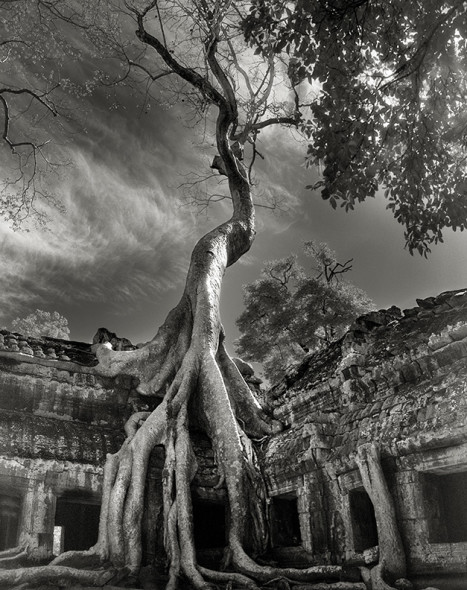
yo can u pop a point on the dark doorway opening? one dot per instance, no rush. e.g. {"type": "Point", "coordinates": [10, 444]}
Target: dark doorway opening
{"type": "Point", "coordinates": [209, 524]}
{"type": "Point", "coordinates": [285, 522]}
{"type": "Point", "coordinates": [78, 515]}
{"type": "Point", "coordinates": [10, 507]}
{"type": "Point", "coordinates": [446, 506]}
{"type": "Point", "coordinates": [362, 513]}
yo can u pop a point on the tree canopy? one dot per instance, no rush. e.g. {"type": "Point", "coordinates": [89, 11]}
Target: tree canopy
{"type": "Point", "coordinates": [200, 47]}
{"type": "Point", "coordinates": [377, 87]}
{"type": "Point", "coordinates": [389, 81]}
{"type": "Point", "coordinates": [42, 323]}
{"type": "Point", "coordinates": [289, 312]}
{"type": "Point", "coordinates": [40, 101]}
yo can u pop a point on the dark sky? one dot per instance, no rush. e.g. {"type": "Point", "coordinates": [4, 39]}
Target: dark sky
{"type": "Point", "coordinates": [118, 255]}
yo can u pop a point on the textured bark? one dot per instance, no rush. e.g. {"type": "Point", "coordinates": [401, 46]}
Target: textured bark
{"type": "Point", "coordinates": [14, 557]}
{"type": "Point", "coordinates": [186, 361]}
{"type": "Point", "coordinates": [376, 577]}
{"type": "Point", "coordinates": [53, 575]}
{"type": "Point", "coordinates": [391, 549]}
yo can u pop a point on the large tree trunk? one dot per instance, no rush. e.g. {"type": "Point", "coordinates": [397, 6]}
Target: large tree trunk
{"type": "Point", "coordinates": [391, 550]}
{"type": "Point", "coordinates": [185, 359]}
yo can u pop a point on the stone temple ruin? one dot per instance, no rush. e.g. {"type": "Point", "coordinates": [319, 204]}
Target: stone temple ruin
{"type": "Point", "coordinates": [396, 382]}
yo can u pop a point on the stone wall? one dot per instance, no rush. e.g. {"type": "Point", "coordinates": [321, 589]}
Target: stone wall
{"type": "Point", "coordinates": [58, 420]}
{"type": "Point", "coordinates": [397, 380]}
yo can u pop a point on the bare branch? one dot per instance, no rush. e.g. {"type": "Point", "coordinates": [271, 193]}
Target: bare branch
{"type": "Point", "coordinates": [153, 77]}
{"type": "Point", "coordinates": [285, 273]}
{"type": "Point", "coordinates": [35, 95]}
{"type": "Point", "coordinates": [187, 74]}
{"type": "Point", "coordinates": [241, 70]}
{"type": "Point", "coordinates": [293, 121]}
{"type": "Point", "coordinates": [332, 270]}
{"type": "Point", "coordinates": [269, 73]}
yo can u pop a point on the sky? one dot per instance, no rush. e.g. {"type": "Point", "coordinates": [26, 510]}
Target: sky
{"type": "Point", "coordinates": [117, 256]}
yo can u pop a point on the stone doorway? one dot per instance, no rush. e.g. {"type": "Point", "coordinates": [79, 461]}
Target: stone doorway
{"type": "Point", "coordinates": [362, 514]}
{"type": "Point", "coordinates": [446, 506]}
{"type": "Point", "coordinates": [77, 515]}
{"type": "Point", "coordinates": [285, 524]}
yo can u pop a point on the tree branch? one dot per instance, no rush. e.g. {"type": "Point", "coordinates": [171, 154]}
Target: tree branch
{"type": "Point", "coordinates": [35, 96]}
{"type": "Point", "coordinates": [187, 74]}
{"type": "Point", "coordinates": [410, 66]}
{"type": "Point", "coordinates": [153, 77]}
{"type": "Point", "coordinates": [277, 121]}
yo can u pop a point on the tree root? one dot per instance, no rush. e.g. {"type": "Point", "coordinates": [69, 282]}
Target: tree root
{"type": "Point", "coordinates": [391, 548]}
{"type": "Point", "coordinates": [54, 575]}
{"type": "Point", "coordinates": [12, 551]}
{"type": "Point", "coordinates": [156, 363]}
{"type": "Point", "coordinates": [202, 371]}
{"type": "Point", "coordinates": [377, 579]}
{"type": "Point", "coordinates": [264, 573]}
{"type": "Point", "coordinates": [333, 586]}
{"type": "Point", "coordinates": [257, 422]}
{"type": "Point", "coordinates": [215, 381]}
{"type": "Point", "coordinates": [233, 578]}
{"type": "Point", "coordinates": [13, 557]}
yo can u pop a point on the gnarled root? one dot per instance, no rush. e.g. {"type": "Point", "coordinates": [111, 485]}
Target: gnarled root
{"type": "Point", "coordinates": [377, 578]}
{"type": "Point", "coordinates": [266, 573]}
{"type": "Point", "coordinates": [390, 544]}
{"type": "Point", "coordinates": [119, 539]}
{"type": "Point", "coordinates": [54, 575]}
{"type": "Point", "coordinates": [223, 403]}
{"type": "Point", "coordinates": [11, 551]}
{"type": "Point", "coordinates": [333, 586]}
{"type": "Point", "coordinates": [226, 578]}
{"type": "Point", "coordinates": [156, 363]}
{"type": "Point", "coordinates": [13, 557]}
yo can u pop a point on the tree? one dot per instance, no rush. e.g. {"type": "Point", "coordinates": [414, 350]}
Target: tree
{"type": "Point", "coordinates": [42, 323]}
{"type": "Point", "coordinates": [200, 45]}
{"type": "Point", "coordinates": [289, 313]}
{"type": "Point", "coordinates": [197, 49]}
{"type": "Point", "coordinates": [390, 112]}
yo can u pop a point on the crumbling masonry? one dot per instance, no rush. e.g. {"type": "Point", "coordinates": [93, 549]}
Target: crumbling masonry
{"type": "Point", "coordinates": [391, 393]}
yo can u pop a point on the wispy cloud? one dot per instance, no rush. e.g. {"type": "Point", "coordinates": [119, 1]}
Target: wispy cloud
{"type": "Point", "coordinates": [118, 241]}
{"type": "Point", "coordinates": [124, 236]}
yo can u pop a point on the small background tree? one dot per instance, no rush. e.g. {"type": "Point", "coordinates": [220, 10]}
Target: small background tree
{"type": "Point", "coordinates": [42, 323]}
{"type": "Point", "coordinates": [289, 312]}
